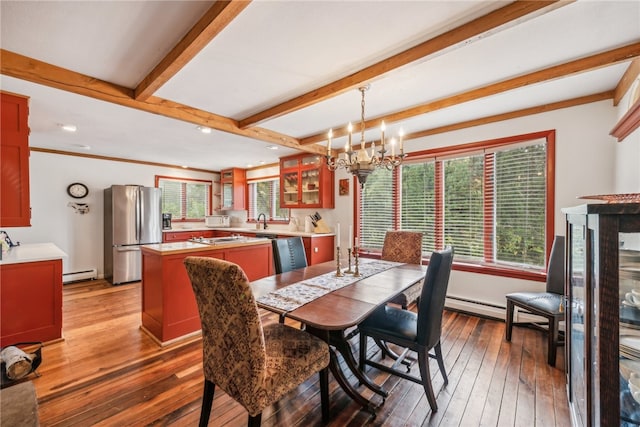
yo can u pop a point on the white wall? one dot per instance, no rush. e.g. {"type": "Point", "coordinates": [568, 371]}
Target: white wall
{"type": "Point", "coordinates": [586, 164]}
{"type": "Point", "coordinates": [80, 236]}
{"type": "Point", "coordinates": [588, 161]}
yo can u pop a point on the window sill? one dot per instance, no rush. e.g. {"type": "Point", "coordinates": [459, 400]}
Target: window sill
{"type": "Point", "coordinates": [492, 270]}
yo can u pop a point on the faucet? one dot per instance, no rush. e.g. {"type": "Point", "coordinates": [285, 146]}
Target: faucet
{"type": "Point", "coordinates": [264, 220]}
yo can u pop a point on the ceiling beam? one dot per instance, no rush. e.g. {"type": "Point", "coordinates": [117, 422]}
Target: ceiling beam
{"type": "Point", "coordinates": [207, 27]}
{"type": "Point", "coordinates": [25, 68]}
{"type": "Point", "coordinates": [629, 76]}
{"type": "Point", "coordinates": [499, 19]}
{"type": "Point", "coordinates": [592, 62]}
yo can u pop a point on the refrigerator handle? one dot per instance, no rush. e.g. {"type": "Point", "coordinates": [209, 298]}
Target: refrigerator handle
{"type": "Point", "coordinates": [138, 215]}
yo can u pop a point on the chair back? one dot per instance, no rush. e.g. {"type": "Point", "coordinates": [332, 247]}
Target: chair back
{"type": "Point", "coordinates": [431, 303]}
{"type": "Point", "coordinates": [555, 269]}
{"type": "Point", "coordinates": [288, 254]}
{"type": "Point", "coordinates": [234, 355]}
{"type": "Point", "coordinates": [402, 246]}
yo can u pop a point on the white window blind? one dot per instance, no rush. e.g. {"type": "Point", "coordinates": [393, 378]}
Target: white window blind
{"type": "Point", "coordinates": [463, 205]}
{"type": "Point", "coordinates": [520, 196]}
{"type": "Point", "coordinates": [264, 197]}
{"type": "Point", "coordinates": [376, 209]}
{"type": "Point", "coordinates": [491, 205]}
{"type": "Point", "coordinates": [419, 201]}
{"type": "Point", "coordinates": [185, 199]}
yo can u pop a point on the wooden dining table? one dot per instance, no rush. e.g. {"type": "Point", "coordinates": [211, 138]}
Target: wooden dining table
{"type": "Point", "coordinates": [332, 315]}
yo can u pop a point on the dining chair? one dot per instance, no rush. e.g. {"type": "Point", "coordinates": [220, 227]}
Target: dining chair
{"type": "Point", "coordinates": [548, 304]}
{"type": "Point", "coordinates": [418, 332]}
{"type": "Point", "coordinates": [404, 246]}
{"type": "Point", "coordinates": [255, 365]}
{"type": "Point", "coordinates": [288, 254]}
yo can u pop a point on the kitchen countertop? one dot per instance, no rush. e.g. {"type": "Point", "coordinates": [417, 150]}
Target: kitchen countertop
{"type": "Point", "coordinates": [32, 252]}
{"type": "Point", "coordinates": [186, 247]}
{"type": "Point", "coordinates": [279, 232]}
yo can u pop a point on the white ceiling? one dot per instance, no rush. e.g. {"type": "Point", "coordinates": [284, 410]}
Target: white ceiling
{"type": "Point", "coordinates": [274, 51]}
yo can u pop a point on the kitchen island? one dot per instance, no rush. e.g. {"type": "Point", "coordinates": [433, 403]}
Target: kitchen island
{"type": "Point", "coordinates": [169, 310]}
{"type": "Point", "coordinates": [31, 294]}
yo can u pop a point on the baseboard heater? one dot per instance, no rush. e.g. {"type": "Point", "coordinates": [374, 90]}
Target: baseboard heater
{"type": "Point", "coordinates": [80, 275]}
{"type": "Point", "coordinates": [488, 309]}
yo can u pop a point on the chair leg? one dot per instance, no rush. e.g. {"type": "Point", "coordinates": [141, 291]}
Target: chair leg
{"type": "Point", "coordinates": [423, 362]}
{"type": "Point", "coordinates": [207, 401]}
{"type": "Point", "coordinates": [324, 394]}
{"type": "Point", "coordinates": [553, 341]}
{"type": "Point", "coordinates": [509, 320]}
{"type": "Point", "coordinates": [438, 350]}
{"type": "Point", "coordinates": [255, 421]}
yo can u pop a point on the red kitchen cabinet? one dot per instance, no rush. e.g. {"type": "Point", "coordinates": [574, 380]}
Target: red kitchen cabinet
{"type": "Point", "coordinates": [169, 309]}
{"type": "Point", "coordinates": [234, 183]}
{"type": "Point", "coordinates": [319, 249]}
{"type": "Point", "coordinates": [305, 182]}
{"type": "Point", "coordinates": [15, 208]}
{"type": "Point", "coordinates": [30, 302]}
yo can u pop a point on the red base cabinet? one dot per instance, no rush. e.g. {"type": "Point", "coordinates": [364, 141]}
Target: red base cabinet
{"type": "Point", "coordinates": [169, 310]}
{"type": "Point", "coordinates": [30, 302]}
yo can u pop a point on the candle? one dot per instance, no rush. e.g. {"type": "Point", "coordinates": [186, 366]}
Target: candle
{"type": "Point", "coordinates": [393, 147]}
{"type": "Point", "coordinates": [329, 142]}
{"type": "Point", "coordinates": [350, 128]}
{"type": "Point", "coordinates": [357, 243]}
{"type": "Point", "coordinates": [401, 135]}
{"type": "Point", "coordinates": [338, 234]}
{"type": "Point", "coordinates": [382, 128]}
{"type": "Point", "coordinates": [350, 236]}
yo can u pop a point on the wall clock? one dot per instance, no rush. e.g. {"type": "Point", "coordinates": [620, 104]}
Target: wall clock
{"type": "Point", "coordinates": [77, 190]}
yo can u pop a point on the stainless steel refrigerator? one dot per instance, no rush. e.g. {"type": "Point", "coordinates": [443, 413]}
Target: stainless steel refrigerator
{"type": "Point", "coordinates": [132, 217]}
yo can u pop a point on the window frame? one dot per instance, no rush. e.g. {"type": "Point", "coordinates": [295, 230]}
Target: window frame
{"type": "Point", "coordinates": [185, 181]}
{"type": "Point", "coordinates": [458, 150]}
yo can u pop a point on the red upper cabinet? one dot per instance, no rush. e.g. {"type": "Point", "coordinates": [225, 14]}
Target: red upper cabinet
{"type": "Point", "coordinates": [305, 182]}
{"type": "Point", "coordinates": [15, 208]}
{"type": "Point", "coordinates": [233, 182]}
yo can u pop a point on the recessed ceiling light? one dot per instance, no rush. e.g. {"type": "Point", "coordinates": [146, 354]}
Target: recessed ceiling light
{"type": "Point", "coordinates": [272, 147]}
{"type": "Point", "coordinates": [69, 128]}
{"type": "Point", "coordinates": [204, 129]}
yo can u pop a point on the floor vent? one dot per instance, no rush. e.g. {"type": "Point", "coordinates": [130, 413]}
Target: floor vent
{"type": "Point", "coordinates": [80, 275]}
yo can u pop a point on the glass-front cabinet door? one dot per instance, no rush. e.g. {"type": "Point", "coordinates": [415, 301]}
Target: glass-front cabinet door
{"type": "Point", "coordinates": [306, 182]}
{"type": "Point", "coordinates": [629, 295]}
{"type": "Point", "coordinates": [576, 320]}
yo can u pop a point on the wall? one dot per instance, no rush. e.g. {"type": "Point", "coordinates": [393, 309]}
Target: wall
{"type": "Point", "coordinates": [586, 164]}
{"type": "Point", "coordinates": [588, 161]}
{"type": "Point", "coordinates": [79, 235]}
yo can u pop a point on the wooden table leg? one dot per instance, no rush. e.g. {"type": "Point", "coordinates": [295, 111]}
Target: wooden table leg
{"type": "Point", "coordinates": [338, 344]}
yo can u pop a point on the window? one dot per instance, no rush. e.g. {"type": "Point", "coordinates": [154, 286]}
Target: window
{"type": "Point", "coordinates": [264, 197]}
{"type": "Point", "coordinates": [492, 201]}
{"type": "Point", "coordinates": [185, 199]}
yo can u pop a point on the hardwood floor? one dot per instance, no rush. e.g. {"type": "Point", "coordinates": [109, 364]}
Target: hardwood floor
{"type": "Point", "coordinates": [107, 372]}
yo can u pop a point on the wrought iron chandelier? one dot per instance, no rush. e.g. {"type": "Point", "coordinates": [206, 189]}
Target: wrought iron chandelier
{"type": "Point", "coordinates": [362, 162]}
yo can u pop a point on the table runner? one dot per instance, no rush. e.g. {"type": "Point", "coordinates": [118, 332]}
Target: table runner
{"type": "Point", "coordinates": [298, 294]}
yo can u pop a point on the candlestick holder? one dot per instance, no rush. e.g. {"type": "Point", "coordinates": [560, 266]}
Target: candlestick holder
{"type": "Point", "coordinates": [349, 271]}
{"type": "Point", "coordinates": [356, 273]}
{"type": "Point", "coordinates": [338, 270]}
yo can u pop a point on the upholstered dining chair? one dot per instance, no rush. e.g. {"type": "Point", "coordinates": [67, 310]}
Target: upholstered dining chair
{"type": "Point", "coordinates": [288, 254]}
{"type": "Point", "coordinates": [404, 246]}
{"type": "Point", "coordinates": [255, 365]}
{"type": "Point", "coordinates": [548, 304]}
{"type": "Point", "coordinates": [419, 332]}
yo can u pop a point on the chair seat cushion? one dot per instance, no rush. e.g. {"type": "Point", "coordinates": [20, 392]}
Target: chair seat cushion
{"type": "Point", "coordinates": [545, 302]}
{"type": "Point", "coordinates": [391, 321]}
{"type": "Point", "coordinates": [292, 356]}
